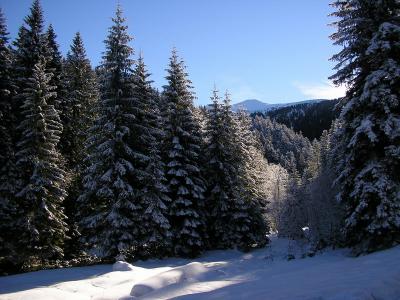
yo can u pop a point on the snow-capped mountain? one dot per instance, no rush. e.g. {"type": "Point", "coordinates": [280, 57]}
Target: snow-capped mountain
{"type": "Point", "coordinates": [253, 105]}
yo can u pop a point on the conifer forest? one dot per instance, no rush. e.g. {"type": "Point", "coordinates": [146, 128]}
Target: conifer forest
{"type": "Point", "coordinates": [99, 166]}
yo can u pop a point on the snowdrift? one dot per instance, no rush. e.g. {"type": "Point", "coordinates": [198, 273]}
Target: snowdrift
{"type": "Point", "coordinates": [262, 274]}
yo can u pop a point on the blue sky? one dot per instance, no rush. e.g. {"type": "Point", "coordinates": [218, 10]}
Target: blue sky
{"type": "Point", "coordinates": [274, 51]}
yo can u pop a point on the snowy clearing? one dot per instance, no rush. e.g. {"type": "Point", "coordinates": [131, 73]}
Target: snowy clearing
{"type": "Point", "coordinates": [262, 274]}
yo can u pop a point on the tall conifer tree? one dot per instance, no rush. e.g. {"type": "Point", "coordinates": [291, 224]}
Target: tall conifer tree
{"type": "Point", "coordinates": [149, 178]}
{"type": "Point", "coordinates": [369, 181]}
{"type": "Point", "coordinates": [248, 222]}
{"type": "Point", "coordinates": [181, 155]}
{"type": "Point", "coordinates": [41, 220]}
{"type": "Point", "coordinates": [30, 48]}
{"type": "Point", "coordinates": [110, 219]}
{"type": "Point", "coordinates": [78, 112]}
{"type": "Point", "coordinates": [78, 103]}
{"type": "Point", "coordinates": [221, 173]}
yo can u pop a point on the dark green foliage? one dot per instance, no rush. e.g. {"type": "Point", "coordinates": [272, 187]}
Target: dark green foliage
{"type": "Point", "coordinates": [109, 219]}
{"type": "Point", "coordinates": [35, 179]}
{"type": "Point", "coordinates": [8, 173]}
{"type": "Point", "coordinates": [40, 224]}
{"type": "Point", "coordinates": [30, 45]}
{"type": "Point", "coordinates": [181, 155]}
{"type": "Point", "coordinates": [78, 112]}
{"type": "Point", "coordinates": [78, 103]}
{"type": "Point", "coordinates": [369, 181]}
{"type": "Point", "coordinates": [235, 218]}
{"type": "Point", "coordinates": [154, 237]}
{"type": "Point", "coordinates": [54, 65]}
{"type": "Point", "coordinates": [309, 119]}
{"type": "Point", "coordinates": [221, 173]}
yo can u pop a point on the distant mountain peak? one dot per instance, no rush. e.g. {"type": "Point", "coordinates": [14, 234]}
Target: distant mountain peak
{"type": "Point", "coordinates": [251, 105]}
{"type": "Point", "coordinates": [253, 100]}
{"type": "Point", "coordinates": [255, 105]}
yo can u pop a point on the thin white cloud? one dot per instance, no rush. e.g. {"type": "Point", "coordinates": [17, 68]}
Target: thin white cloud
{"type": "Point", "coordinates": [324, 90]}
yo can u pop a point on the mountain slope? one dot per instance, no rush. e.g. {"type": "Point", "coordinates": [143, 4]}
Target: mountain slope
{"type": "Point", "coordinates": [254, 105]}
{"type": "Point", "coordinates": [308, 118]}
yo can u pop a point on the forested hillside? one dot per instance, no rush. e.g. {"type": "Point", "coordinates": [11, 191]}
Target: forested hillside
{"type": "Point", "coordinates": [309, 119]}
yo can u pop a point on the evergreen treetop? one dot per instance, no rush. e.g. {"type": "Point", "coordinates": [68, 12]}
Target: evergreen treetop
{"type": "Point", "coordinates": [31, 41]}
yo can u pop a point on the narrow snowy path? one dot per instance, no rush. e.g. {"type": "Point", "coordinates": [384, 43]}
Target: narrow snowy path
{"type": "Point", "coordinates": [262, 274]}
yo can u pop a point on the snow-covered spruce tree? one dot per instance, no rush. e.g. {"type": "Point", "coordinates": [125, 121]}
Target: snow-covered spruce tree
{"type": "Point", "coordinates": [221, 174]}
{"type": "Point", "coordinates": [148, 178]}
{"type": "Point", "coordinates": [181, 151]}
{"type": "Point", "coordinates": [41, 227]}
{"type": "Point", "coordinates": [251, 188]}
{"type": "Point", "coordinates": [110, 220]}
{"type": "Point", "coordinates": [78, 103]}
{"type": "Point", "coordinates": [235, 218]}
{"type": "Point", "coordinates": [78, 112]}
{"type": "Point", "coordinates": [8, 172]}
{"type": "Point", "coordinates": [369, 180]}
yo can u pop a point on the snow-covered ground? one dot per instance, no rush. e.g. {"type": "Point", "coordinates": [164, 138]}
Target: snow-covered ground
{"type": "Point", "coordinates": [261, 274]}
